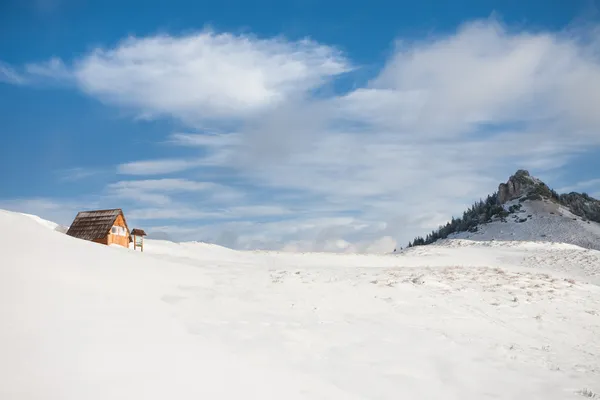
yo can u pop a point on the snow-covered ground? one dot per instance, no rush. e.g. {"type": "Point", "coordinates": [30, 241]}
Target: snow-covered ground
{"type": "Point", "coordinates": [458, 320]}
{"type": "Point", "coordinates": [539, 221]}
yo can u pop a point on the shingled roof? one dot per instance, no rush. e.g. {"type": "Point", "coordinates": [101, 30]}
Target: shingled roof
{"type": "Point", "coordinates": [91, 225]}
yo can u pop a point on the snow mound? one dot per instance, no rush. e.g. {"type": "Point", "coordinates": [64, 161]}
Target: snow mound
{"type": "Point", "coordinates": [79, 320]}
{"type": "Point", "coordinates": [45, 223]}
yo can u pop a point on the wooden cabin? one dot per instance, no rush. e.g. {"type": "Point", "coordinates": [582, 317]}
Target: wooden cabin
{"type": "Point", "coordinates": [101, 226]}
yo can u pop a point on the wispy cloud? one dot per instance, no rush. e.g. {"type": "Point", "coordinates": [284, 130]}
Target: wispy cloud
{"type": "Point", "coordinates": [78, 173]}
{"type": "Point", "coordinates": [209, 213]}
{"type": "Point", "coordinates": [170, 185]}
{"type": "Point", "coordinates": [160, 191]}
{"type": "Point", "coordinates": [156, 167]}
{"type": "Point", "coordinates": [210, 140]}
{"type": "Point", "coordinates": [9, 75]}
{"type": "Point", "coordinates": [53, 69]}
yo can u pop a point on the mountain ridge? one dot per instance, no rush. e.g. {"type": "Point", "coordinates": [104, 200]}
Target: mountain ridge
{"type": "Point", "coordinates": [539, 212]}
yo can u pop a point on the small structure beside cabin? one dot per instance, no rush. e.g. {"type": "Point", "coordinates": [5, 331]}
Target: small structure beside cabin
{"type": "Point", "coordinates": [138, 238]}
{"type": "Point", "coordinates": [101, 226]}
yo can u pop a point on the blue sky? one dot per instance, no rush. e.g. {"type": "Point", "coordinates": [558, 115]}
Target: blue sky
{"type": "Point", "coordinates": [301, 125]}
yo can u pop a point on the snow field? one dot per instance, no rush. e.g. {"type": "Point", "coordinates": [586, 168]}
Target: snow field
{"type": "Point", "coordinates": [459, 320]}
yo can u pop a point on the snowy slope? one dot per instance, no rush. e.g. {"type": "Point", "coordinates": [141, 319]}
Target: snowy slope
{"type": "Point", "coordinates": [48, 224]}
{"type": "Point", "coordinates": [44, 222]}
{"type": "Point", "coordinates": [544, 221]}
{"type": "Point", "coordinates": [459, 320]}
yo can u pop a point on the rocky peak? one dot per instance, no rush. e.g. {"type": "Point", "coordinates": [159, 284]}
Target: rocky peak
{"type": "Point", "coordinates": [535, 198]}
{"type": "Point", "coordinates": [522, 184]}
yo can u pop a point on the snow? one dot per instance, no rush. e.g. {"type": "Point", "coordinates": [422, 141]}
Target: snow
{"type": "Point", "coordinates": [48, 224]}
{"type": "Point", "coordinates": [457, 320]}
{"type": "Point", "coordinates": [545, 221]}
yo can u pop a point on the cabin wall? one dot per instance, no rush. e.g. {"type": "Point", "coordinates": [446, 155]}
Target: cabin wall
{"type": "Point", "coordinates": [101, 241]}
{"type": "Point", "coordinates": [120, 240]}
{"type": "Point", "coordinates": [116, 239]}
{"type": "Point", "coordinates": [120, 222]}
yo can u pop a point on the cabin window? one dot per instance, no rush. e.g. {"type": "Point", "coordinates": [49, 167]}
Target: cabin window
{"type": "Point", "coordinates": [118, 230]}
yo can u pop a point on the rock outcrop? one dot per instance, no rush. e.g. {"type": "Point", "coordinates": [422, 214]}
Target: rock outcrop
{"type": "Point", "coordinates": [508, 213]}
{"type": "Point", "coordinates": [522, 184]}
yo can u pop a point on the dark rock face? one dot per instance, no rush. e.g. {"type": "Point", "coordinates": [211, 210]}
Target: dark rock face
{"type": "Point", "coordinates": [519, 184]}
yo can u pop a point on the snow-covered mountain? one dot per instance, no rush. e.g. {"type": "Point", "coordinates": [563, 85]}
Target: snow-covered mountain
{"type": "Point", "coordinates": [538, 220]}
{"type": "Point", "coordinates": [455, 320]}
{"type": "Point", "coordinates": [526, 209]}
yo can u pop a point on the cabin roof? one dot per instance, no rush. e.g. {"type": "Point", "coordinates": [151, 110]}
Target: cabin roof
{"type": "Point", "coordinates": [138, 232]}
{"type": "Point", "coordinates": [91, 225]}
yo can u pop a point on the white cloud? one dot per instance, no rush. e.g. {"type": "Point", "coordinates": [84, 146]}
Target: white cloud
{"type": "Point", "coordinates": [219, 149]}
{"type": "Point", "coordinates": [173, 184]}
{"type": "Point", "coordinates": [255, 211]}
{"type": "Point", "coordinates": [443, 122]}
{"type": "Point", "coordinates": [212, 212]}
{"type": "Point", "coordinates": [204, 140]}
{"type": "Point", "coordinates": [141, 197]}
{"type": "Point", "coordinates": [155, 167]}
{"type": "Point", "coordinates": [291, 234]}
{"type": "Point", "coordinates": [202, 76]}
{"type": "Point", "coordinates": [9, 75]}
{"type": "Point", "coordinates": [385, 244]}
{"type": "Point", "coordinates": [55, 69]}
{"type": "Point", "coordinates": [179, 213]}
{"type": "Point", "coordinates": [78, 173]}
{"type": "Point", "coordinates": [251, 234]}
{"type": "Point", "coordinates": [160, 192]}
{"type": "Point", "coordinates": [51, 71]}
{"type": "Point", "coordinates": [484, 73]}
